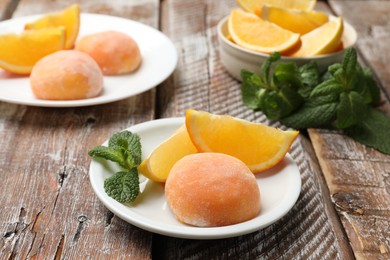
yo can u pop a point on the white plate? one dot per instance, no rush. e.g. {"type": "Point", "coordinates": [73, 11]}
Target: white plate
{"type": "Point", "coordinates": [159, 59]}
{"type": "Point", "coordinates": [279, 189]}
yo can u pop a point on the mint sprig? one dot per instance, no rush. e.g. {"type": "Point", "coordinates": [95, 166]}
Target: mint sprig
{"type": "Point", "coordinates": [123, 186]}
{"type": "Point", "coordinates": [273, 93]}
{"type": "Point", "coordinates": [373, 131]}
{"type": "Point", "coordinates": [342, 98]}
{"type": "Point", "coordinates": [123, 148]}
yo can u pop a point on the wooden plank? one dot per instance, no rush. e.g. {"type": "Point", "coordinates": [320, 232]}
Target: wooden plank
{"type": "Point", "coordinates": [311, 228]}
{"type": "Point", "coordinates": [372, 26]}
{"type": "Point", "coordinates": [357, 176]}
{"type": "Point", "coordinates": [48, 207]}
{"type": "Point", "coordinates": [7, 7]}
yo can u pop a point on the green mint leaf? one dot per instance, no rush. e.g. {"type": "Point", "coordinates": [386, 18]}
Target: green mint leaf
{"type": "Point", "coordinates": [372, 131]}
{"type": "Point", "coordinates": [252, 79]}
{"type": "Point", "coordinates": [246, 75]}
{"type": "Point", "coordinates": [251, 95]}
{"type": "Point", "coordinates": [310, 116]}
{"type": "Point", "coordinates": [329, 87]}
{"type": "Point", "coordinates": [256, 80]}
{"type": "Point", "coordinates": [351, 109]}
{"type": "Point", "coordinates": [349, 68]}
{"type": "Point", "coordinates": [123, 148]}
{"type": "Point", "coordinates": [349, 61]}
{"type": "Point", "coordinates": [310, 77]}
{"type": "Point", "coordinates": [278, 104]}
{"type": "Point", "coordinates": [107, 153]}
{"type": "Point", "coordinates": [287, 74]}
{"type": "Point", "coordinates": [334, 68]}
{"type": "Point", "coordinates": [372, 86]}
{"type": "Point", "coordinates": [129, 146]}
{"type": "Point", "coordinates": [266, 66]}
{"type": "Point", "coordinates": [123, 186]}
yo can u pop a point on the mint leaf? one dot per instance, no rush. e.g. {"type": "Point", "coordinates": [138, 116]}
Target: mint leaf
{"type": "Point", "coordinates": [266, 66]}
{"type": "Point", "coordinates": [332, 69]}
{"type": "Point", "coordinates": [373, 89]}
{"type": "Point", "coordinates": [250, 91]}
{"type": "Point", "coordinates": [302, 98]}
{"type": "Point", "coordinates": [129, 145]}
{"type": "Point", "coordinates": [278, 104]}
{"type": "Point", "coordinates": [107, 153]}
{"type": "Point", "coordinates": [287, 74]}
{"type": "Point", "coordinates": [349, 61]}
{"type": "Point", "coordinates": [123, 148]}
{"type": "Point", "coordinates": [372, 131]}
{"type": "Point", "coordinates": [311, 115]}
{"type": "Point", "coordinates": [351, 109]}
{"type": "Point", "coordinates": [123, 186]}
{"type": "Point", "coordinates": [276, 94]}
{"type": "Point", "coordinates": [329, 87]}
{"type": "Point", "coordinates": [251, 96]}
{"type": "Point", "coordinates": [310, 77]}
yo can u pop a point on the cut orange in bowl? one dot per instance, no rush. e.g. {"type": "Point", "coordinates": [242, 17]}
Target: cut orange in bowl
{"type": "Point", "coordinates": [323, 40]}
{"type": "Point", "coordinates": [259, 146]}
{"type": "Point", "coordinates": [300, 22]}
{"type": "Point", "coordinates": [302, 5]}
{"type": "Point", "coordinates": [68, 18]}
{"type": "Point", "coordinates": [159, 163]}
{"type": "Point", "coordinates": [253, 33]}
{"type": "Point", "coordinates": [20, 52]}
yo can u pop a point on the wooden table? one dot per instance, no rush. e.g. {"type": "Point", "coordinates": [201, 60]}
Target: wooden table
{"type": "Point", "coordinates": [48, 208]}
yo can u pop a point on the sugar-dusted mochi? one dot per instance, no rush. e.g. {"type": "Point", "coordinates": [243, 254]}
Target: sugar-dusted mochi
{"type": "Point", "coordinates": [212, 189]}
{"type": "Point", "coordinates": [66, 75]}
{"type": "Point", "coordinates": [115, 52]}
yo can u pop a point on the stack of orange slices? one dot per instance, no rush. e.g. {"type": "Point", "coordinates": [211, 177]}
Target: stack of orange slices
{"type": "Point", "coordinates": [50, 33]}
{"type": "Point", "coordinates": [289, 27]}
{"type": "Point", "coordinates": [259, 146]}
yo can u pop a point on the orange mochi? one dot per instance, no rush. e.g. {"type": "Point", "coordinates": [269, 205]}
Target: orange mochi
{"type": "Point", "coordinates": [66, 75]}
{"type": "Point", "coordinates": [212, 189]}
{"type": "Point", "coordinates": [115, 52]}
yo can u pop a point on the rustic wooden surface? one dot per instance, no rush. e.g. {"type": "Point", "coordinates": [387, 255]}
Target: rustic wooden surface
{"type": "Point", "coordinates": [50, 211]}
{"type": "Point", "coordinates": [359, 177]}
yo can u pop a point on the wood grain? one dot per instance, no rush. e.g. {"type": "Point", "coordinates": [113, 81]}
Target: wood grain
{"type": "Point", "coordinates": [49, 210]}
{"type": "Point", "coordinates": [311, 228]}
{"type": "Point", "coordinates": [48, 207]}
{"type": "Point", "coordinates": [358, 176]}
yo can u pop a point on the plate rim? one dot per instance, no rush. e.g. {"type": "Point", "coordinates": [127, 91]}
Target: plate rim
{"type": "Point", "coordinates": [187, 232]}
{"type": "Point", "coordinates": [171, 66]}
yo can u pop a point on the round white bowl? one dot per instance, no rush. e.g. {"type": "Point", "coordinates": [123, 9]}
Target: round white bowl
{"type": "Point", "coordinates": [234, 58]}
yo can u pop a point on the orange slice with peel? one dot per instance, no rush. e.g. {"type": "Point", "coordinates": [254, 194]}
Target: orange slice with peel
{"type": "Point", "coordinates": [259, 146]}
{"type": "Point", "coordinates": [69, 18]}
{"type": "Point", "coordinates": [302, 5]}
{"type": "Point", "coordinates": [253, 33]}
{"type": "Point", "coordinates": [159, 163]}
{"type": "Point", "coordinates": [20, 52]}
{"type": "Point", "coordinates": [323, 40]}
{"type": "Point", "coordinates": [296, 21]}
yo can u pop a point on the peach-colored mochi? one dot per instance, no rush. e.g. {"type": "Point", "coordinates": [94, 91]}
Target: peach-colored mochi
{"type": "Point", "coordinates": [66, 75]}
{"type": "Point", "coordinates": [115, 52]}
{"type": "Point", "coordinates": [212, 189]}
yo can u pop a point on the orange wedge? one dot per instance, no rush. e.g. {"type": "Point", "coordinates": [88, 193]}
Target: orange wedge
{"type": "Point", "coordinates": [20, 52]}
{"type": "Point", "coordinates": [253, 33]}
{"type": "Point", "coordinates": [302, 5]}
{"type": "Point", "coordinates": [300, 22]}
{"type": "Point", "coordinates": [159, 163]}
{"type": "Point", "coordinates": [68, 18]}
{"type": "Point", "coordinates": [325, 39]}
{"type": "Point", "coordinates": [259, 146]}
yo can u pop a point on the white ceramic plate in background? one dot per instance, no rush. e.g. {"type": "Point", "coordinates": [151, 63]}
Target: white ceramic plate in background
{"type": "Point", "coordinates": [279, 189]}
{"type": "Point", "coordinates": [159, 59]}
